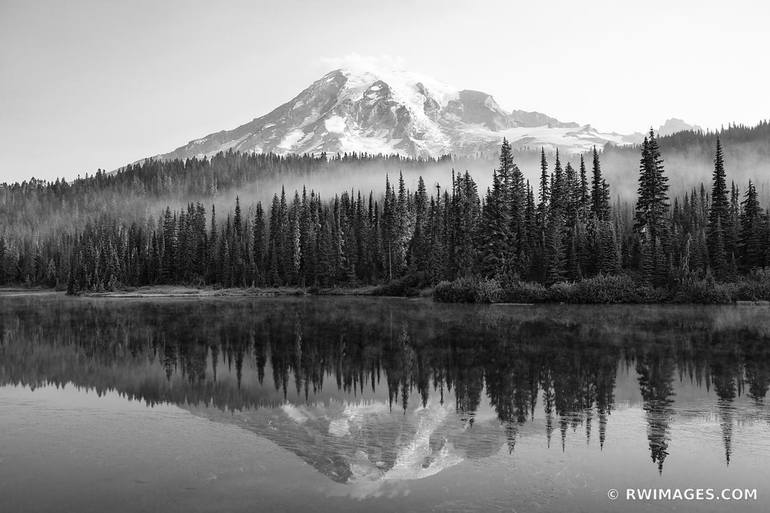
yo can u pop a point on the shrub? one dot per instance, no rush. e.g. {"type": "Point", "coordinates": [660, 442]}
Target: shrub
{"type": "Point", "coordinates": [524, 292]}
{"type": "Point", "coordinates": [407, 286]}
{"type": "Point", "coordinates": [604, 289]}
{"type": "Point", "coordinates": [488, 291]}
{"type": "Point", "coordinates": [649, 294]}
{"type": "Point", "coordinates": [469, 290]}
{"type": "Point", "coordinates": [755, 287]}
{"type": "Point", "coordinates": [461, 290]}
{"type": "Point", "coordinates": [607, 289]}
{"type": "Point", "coordinates": [704, 291]}
{"type": "Point", "coordinates": [562, 292]}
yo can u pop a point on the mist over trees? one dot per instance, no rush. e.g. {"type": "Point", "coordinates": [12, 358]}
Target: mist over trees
{"type": "Point", "coordinates": [563, 228]}
{"type": "Point", "coordinates": [689, 158]}
{"type": "Point", "coordinates": [146, 187]}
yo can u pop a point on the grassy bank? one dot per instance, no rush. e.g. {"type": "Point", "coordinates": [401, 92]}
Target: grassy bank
{"type": "Point", "coordinates": [158, 291]}
{"type": "Point", "coordinates": [615, 289]}
{"type": "Point", "coordinates": [606, 290]}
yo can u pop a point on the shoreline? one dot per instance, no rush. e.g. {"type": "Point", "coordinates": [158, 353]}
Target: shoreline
{"type": "Point", "coordinates": [172, 291]}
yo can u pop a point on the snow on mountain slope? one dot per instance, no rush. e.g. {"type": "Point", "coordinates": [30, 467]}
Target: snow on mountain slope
{"type": "Point", "coordinates": [360, 109]}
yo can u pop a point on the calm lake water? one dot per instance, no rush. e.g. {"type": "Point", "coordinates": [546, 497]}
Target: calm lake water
{"type": "Point", "coordinates": [353, 404]}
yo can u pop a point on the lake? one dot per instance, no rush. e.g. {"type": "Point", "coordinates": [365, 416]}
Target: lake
{"type": "Point", "coordinates": [358, 404]}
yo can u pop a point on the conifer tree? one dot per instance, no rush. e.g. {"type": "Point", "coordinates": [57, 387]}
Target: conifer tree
{"type": "Point", "coordinates": [359, 228]}
{"type": "Point", "coordinates": [652, 205]}
{"type": "Point", "coordinates": [608, 256]}
{"type": "Point", "coordinates": [532, 231]}
{"type": "Point", "coordinates": [258, 245]}
{"type": "Point", "coordinates": [324, 266]}
{"type": "Point", "coordinates": [719, 217]}
{"type": "Point", "coordinates": [168, 266]}
{"type": "Point", "coordinates": [389, 231]}
{"type": "Point", "coordinates": [583, 194]}
{"type": "Point", "coordinates": [544, 193]}
{"type": "Point", "coordinates": [599, 192]}
{"type": "Point", "coordinates": [418, 247]}
{"type": "Point", "coordinates": [554, 249]}
{"type": "Point", "coordinates": [505, 171]}
{"type": "Point", "coordinates": [284, 235]}
{"type": "Point", "coordinates": [751, 246]}
{"type": "Point", "coordinates": [558, 188]}
{"type": "Point", "coordinates": [212, 246]}
{"type": "Point", "coordinates": [438, 249]}
{"type": "Point", "coordinates": [494, 230]}
{"type": "Point", "coordinates": [571, 196]}
{"type": "Point", "coordinates": [403, 227]}
{"type": "Point", "coordinates": [516, 196]}
{"type": "Point", "coordinates": [296, 244]}
{"type": "Point", "coordinates": [236, 245]}
{"type": "Point", "coordinates": [733, 235]}
{"type": "Point", "coordinates": [465, 212]}
{"type": "Point", "coordinates": [274, 246]}
{"type": "Point", "coordinates": [3, 251]}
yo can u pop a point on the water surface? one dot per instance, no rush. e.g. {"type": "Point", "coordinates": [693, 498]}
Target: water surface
{"type": "Point", "coordinates": [350, 404]}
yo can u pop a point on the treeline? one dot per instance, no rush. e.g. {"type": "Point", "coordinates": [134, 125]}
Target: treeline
{"type": "Point", "coordinates": [562, 229]}
{"type": "Point", "coordinates": [37, 206]}
{"type": "Point", "coordinates": [696, 144]}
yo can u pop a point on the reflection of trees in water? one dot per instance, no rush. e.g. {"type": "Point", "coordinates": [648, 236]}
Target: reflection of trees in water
{"type": "Point", "coordinates": [727, 386]}
{"type": "Point", "coordinates": [656, 384]}
{"type": "Point", "coordinates": [222, 354]}
{"type": "Point", "coordinates": [757, 374]}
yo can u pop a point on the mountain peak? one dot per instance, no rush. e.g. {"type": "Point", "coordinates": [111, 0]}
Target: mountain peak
{"type": "Point", "coordinates": [674, 125]}
{"type": "Point", "coordinates": [363, 107]}
{"type": "Point", "coordinates": [404, 81]}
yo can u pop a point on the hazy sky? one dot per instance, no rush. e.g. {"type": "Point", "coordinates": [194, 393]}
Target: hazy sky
{"type": "Point", "coordinates": [96, 84]}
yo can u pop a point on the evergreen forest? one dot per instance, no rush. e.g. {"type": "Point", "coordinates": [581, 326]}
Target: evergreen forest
{"type": "Point", "coordinates": [565, 237]}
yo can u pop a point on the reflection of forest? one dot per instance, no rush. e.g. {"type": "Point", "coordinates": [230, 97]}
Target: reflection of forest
{"type": "Point", "coordinates": [264, 355]}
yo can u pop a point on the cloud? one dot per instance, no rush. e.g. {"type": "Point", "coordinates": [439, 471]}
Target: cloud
{"type": "Point", "coordinates": [357, 62]}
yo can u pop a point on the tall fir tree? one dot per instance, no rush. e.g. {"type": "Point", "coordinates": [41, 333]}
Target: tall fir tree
{"type": "Point", "coordinates": [600, 201]}
{"type": "Point", "coordinates": [719, 217]}
{"type": "Point", "coordinates": [650, 222]}
{"type": "Point", "coordinates": [494, 231]}
{"type": "Point", "coordinates": [751, 245]}
{"type": "Point", "coordinates": [259, 245]}
{"type": "Point", "coordinates": [584, 192]}
{"type": "Point", "coordinates": [544, 192]}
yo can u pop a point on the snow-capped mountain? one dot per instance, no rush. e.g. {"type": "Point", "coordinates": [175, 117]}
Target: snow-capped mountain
{"type": "Point", "coordinates": [376, 111]}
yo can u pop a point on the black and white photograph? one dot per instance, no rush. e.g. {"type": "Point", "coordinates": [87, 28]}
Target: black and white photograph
{"type": "Point", "coordinates": [344, 256]}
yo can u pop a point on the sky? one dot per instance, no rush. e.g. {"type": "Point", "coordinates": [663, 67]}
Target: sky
{"type": "Point", "coordinates": [88, 84]}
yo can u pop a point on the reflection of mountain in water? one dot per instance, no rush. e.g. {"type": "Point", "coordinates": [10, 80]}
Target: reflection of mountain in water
{"type": "Point", "coordinates": [373, 391]}
{"type": "Point", "coordinates": [365, 442]}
